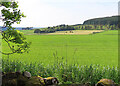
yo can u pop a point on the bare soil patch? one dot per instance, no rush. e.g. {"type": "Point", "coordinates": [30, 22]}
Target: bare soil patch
{"type": "Point", "coordinates": [75, 32]}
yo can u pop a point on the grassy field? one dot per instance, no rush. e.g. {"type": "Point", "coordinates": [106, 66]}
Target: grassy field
{"type": "Point", "coordinates": [100, 48]}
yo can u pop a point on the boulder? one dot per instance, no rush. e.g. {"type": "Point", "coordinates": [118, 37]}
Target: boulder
{"type": "Point", "coordinates": [25, 79]}
{"type": "Point", "coordinates": [11, 75]}
{"type": "Point", "coordinates": [51, 81]}
{"type": "Point", "coordinates": [13, 79]}
{"type": "Point", "coordinates": [21, 80]}
{"type": "Point", "coordinates": [27, 74]}
{"type": "Point", "coordinates": [105, 82]}
{"type": "Point", "coordinates": [35, 81]}
{"type": "Point", "coordinates": [9, 82]}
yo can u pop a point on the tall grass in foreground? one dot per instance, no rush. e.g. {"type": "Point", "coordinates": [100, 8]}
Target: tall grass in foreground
{"type": "Point", "coordinates": [65, 73]}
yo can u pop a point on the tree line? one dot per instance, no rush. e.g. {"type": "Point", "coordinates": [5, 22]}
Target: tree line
{"type": "Point", "coordinates": [76, 27]}
{"type": "Point", "coordinates": [62, 27]}
{"type": "Point", "coordinates": [103, 21]}
{"type": "Point", "coordinates": [96, 27]}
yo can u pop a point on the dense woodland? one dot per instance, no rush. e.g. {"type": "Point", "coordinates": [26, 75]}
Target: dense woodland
{"type": "Point", "coordinates": [106, 23]}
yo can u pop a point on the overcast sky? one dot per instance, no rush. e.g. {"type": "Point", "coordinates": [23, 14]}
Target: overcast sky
{"type": "Point", "coordinates": [44, 13]}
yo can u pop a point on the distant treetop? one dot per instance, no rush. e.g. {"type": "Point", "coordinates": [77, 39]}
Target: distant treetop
{"type": "Point", "coordinates": [103, 21]}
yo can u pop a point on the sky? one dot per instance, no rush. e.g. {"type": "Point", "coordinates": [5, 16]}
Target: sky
{"type": "Point", "coordinates": [44, 13]}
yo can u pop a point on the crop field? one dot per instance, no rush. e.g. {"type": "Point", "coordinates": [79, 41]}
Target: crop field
{"type": "Point", "coordinates": [69, 32]}
{"type": "Point", "coordinates": [100, 48]}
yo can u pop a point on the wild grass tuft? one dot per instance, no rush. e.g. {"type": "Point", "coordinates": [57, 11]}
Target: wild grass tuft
{"type": "Point", "coordinates": [65, 73]}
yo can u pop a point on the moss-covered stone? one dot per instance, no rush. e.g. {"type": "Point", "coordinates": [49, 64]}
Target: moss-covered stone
{"type": "Point", "coordinates": [13, 79]}
{"type": "Point", "coordinates": [18, 79]}
{"type": "Point", "coordinates": [105, 82]}
{"type": "Point", "coordinates": [21, 80]}
{"type": "Point", "coordinates": [35, 81]}
{"type": "Point", "coordinates": [51, 81]}
{"type": "Point", "coordinates": [9, 82]}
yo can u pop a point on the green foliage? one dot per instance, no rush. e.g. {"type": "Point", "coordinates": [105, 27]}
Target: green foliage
{"type": "Point", "coordinates": [96, 27]}
{"type": "Point", "coordinates": [65, 73]}
{"type": "Point", "coordinates": [64, 27]}
{"type": "Point", "coordinates": [10, 13]}
{"type": "Point", "coordinates": [44, 31]}
{"type": "Point", "coordinates": [15, 39]}
{"type": "Point", "coordinates": [55, 28]}
{"type": "Point", "coordinates": [103, 21]}
{"type": "Point", "coordinates": [37, 31]}
{"type": "Point", "coordinates": [77, 27]}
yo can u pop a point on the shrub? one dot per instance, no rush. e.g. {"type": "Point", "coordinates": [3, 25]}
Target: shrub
{"type": "Point", "coordinates": [95, 32]}
{"type": "Point", "coordinates": [37, 31]}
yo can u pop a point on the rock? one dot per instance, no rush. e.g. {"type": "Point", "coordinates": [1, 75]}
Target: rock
{"type": "Point", "coordinates": [21, 80]}
{"type": "Point", "coordinates": [105, 82]}
{"type": "Point", "coordinates": [11, 75]}
{"type": "Point", "coordinates": [35, 81]}
{"type": "Point", "coordinates": [51, 81]}
{"type": "Point", "coordinates": [13, 79]}
{"type": "Point", "coordinates": [25, 79]}
{"type": "Point", "coordinates": [12, 82]}
{"type": "Point", "coordinates": [2, 73]}
{"type": "Point", "coordinates": [27, 74]}
{"type": "Point", "coordinates": [9, 82]}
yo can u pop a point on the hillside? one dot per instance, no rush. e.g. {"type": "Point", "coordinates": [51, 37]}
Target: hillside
{"type": "Point", "coordinates": [113, 20]}
{"type": "Point", "coordinates": [104, 23]}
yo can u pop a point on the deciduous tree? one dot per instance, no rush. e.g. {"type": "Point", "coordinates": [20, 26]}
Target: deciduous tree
{"type": "Point", "coordinates": [15, 40]}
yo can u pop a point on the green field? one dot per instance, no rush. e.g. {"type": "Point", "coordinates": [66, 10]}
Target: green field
{"type": "Point", "coordinates": [100, 48]}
